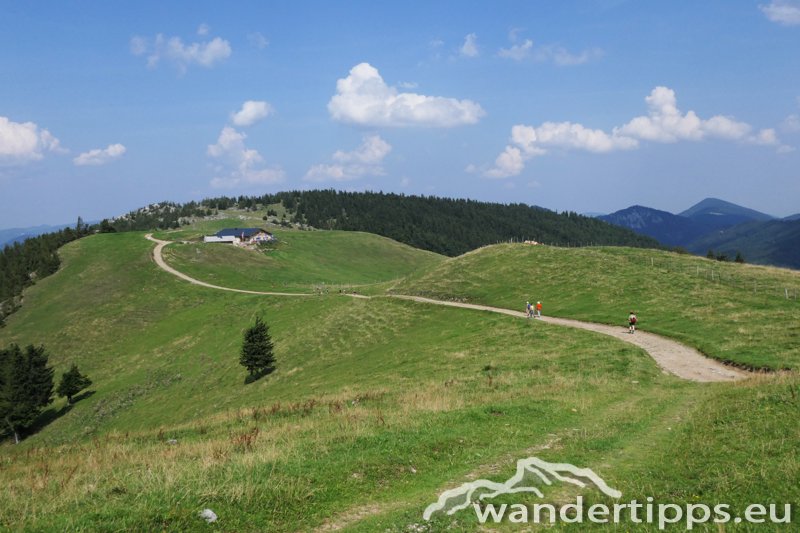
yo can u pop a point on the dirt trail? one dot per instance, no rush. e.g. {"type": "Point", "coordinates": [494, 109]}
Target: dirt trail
{"type": "Point", "coordinates": [159, 259]}
{"type": "Point", "coordinates": [672, 356]}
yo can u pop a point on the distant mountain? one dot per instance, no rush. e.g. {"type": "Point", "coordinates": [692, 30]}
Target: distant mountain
{"type": "Point", "coordinates": [716, 214]}
{"type": "Point", "coordinates": [669, 229]}
{"type": "Point", "coordinates": [775, 242]}
{"type": "Point", "coordinates": [12, 235]}
{"type": "Point", "coordinates": [721, 226]}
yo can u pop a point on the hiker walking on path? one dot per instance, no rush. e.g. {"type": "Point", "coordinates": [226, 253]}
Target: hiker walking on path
{"type": "Point", "coordinates": [632, 322]}
{"type": "Point", "coordinates": [528, 310]}
{"type": "Point", "coordinates": [538, 309]}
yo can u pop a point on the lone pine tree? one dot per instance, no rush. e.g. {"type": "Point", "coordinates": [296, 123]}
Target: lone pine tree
{"type": "Point", "coordinates": [257, 350]}
{"type": "Point", "coordinates": [72, 382]}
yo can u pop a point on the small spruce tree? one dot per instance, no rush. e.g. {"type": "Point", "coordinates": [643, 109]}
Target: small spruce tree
{"type": "Point", "coordinates": [72, 382]}
{"type": "Point", "coordinates": [256, 355]}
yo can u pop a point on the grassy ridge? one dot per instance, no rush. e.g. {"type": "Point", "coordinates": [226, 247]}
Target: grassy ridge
{"type": "Point", "coordinates": [302, 261]}
{"type": "Point", "coordinates": [745, 318]}
{"type": "Point", "coordinates": [376, 406]}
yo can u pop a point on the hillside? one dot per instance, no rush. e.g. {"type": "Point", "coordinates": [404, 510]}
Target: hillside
{"type": "Point", "coordinates": [443, 225]}
{"type": "Point", "coordinates": [673, 294]}
{"type": "Point", "coordinates": [304, 261]}
{"type": "Point", "coordinates": [376, 407]}
{"type": "Point", "coordinates": [776, 242]}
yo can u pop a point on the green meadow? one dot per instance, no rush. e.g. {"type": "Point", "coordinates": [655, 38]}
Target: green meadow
{"type": "Point", "coordinates": [378, 405]}
{"type": "Point", "coordinates": [733, 312]}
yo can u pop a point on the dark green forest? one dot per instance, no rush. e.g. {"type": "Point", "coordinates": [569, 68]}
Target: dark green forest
{"type": "Point", "coordinates": [443, 225]}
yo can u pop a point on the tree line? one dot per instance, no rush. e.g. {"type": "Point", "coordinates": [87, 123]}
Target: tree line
{"type": "Point", "coordinates": [21, 264]}
{"type": "Point", "coordinates": [447, 226]}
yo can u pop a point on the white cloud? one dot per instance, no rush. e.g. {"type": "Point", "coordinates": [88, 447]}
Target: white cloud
{"type": "Point", "coordinates": [25, 142]}
{"type": "Point", "coordinates": [363, 98]}
{"type": "Point", "coordinates": [783, 12]}
{"type": "Point", "coordinates": [547, 53]}
{"type": "Point", "coordinates": [517, 52]}
{"type": "Point", "coordinates": [100, 156]}
{"type": "Point", "coordinates": [203, 29]}
{"type": "Point", "coordinates": [470, 46]}
{"type": "Point", "coordinates": [664, 123]}
{"type": "Point", "coordinates": [509, 163]}
{"type": "Point", "coordinates": [257, 40]}
{"type": "Point", "coordinates": [252, 111]}
{"type": "Point", "coordinates": [791, 124]}
{"type": "Point", "coordinates": [205, 54]}
{"type": "Point", "coordinates": [366, 160]}
{"type": "Point", "coordinates": [240, 165]}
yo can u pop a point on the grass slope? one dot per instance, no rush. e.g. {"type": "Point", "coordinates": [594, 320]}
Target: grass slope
{"type": "Point", "coordinates": [376, 407]}
{"type": "Point", "coordinates": [741, 316]}
{"type": "Point", "coordinates": [301, 261]}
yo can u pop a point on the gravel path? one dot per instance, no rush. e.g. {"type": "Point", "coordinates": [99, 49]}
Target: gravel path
{"type": "Point", "coordinates": [159, 259]}
{"type": "Point", "coordinates": [672, 356]}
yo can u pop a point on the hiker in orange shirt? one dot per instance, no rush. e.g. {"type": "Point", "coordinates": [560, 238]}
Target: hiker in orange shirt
{"type": "Point", "coordinates": [538, 309]}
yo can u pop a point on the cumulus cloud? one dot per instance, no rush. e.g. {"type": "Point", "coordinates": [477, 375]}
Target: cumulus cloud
{"type": "Point", "coordinates": [470, 46]}
{"type": "Point", "coordinates": [205, 54]}
{"type": "Point", "coordinates": [366, 160]}
{"type": "Point", "coordinates": [667, 124]}
{"type": "Point", "coordinates": [664, 123]}
{"type": "Point", "coordinates": [22, 142]}
{"type": "Point", "coordinates": [252, 111]}
{"type": "Point", "coordinates": [240, 165]}
{"type": "Point", "coordinates": [363, 98]}
{"type": "Point", "coordinates": [100, 156]}
{"type": "Point", "coordinates": [782, 12]}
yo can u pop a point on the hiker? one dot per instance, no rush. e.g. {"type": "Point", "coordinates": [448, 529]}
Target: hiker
{"type": "Point", "coordinates": [538, 309]}
{"type": "Point", "coordinates": [528, 310]}
{"type": "Point", "coordinates": [631, 322]}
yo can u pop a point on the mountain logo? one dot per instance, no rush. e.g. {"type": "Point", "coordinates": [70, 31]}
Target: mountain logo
{"type": "Point", "coordinates": [529, 471]}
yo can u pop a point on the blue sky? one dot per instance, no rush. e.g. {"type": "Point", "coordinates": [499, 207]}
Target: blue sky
{"type": "Point", "coordinates": [572, 105]}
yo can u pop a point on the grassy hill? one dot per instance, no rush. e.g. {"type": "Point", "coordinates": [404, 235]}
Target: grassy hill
{"type": "Point", "coordinates": [376, 406]}
{"type": "Point", "coordinates": [301, 261]}
{"type": "Point", "coordinates": [729, 311]}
